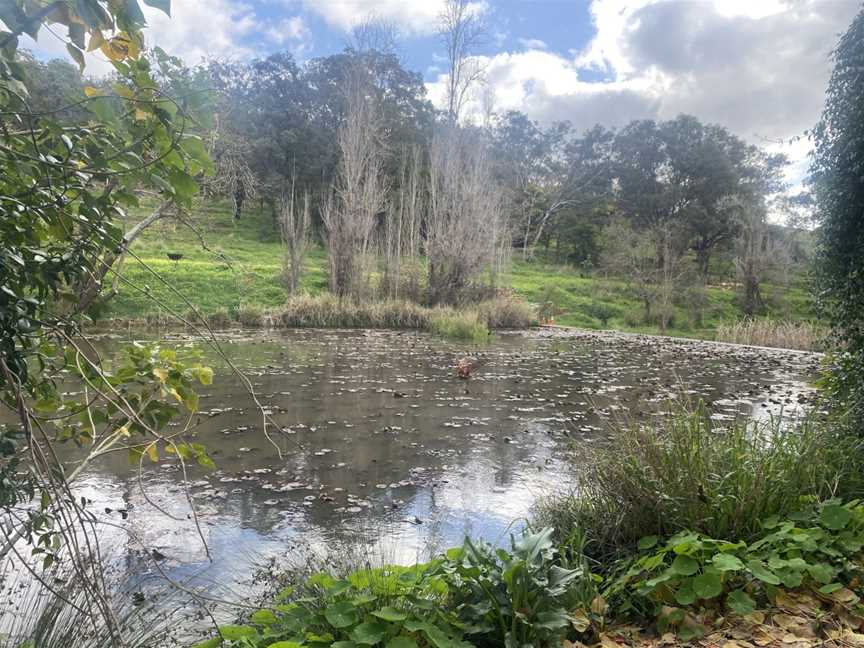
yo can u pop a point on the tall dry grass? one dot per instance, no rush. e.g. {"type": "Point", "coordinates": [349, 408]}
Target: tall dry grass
{"type": "Point", "coordinates": [804, 336]}
{"type": "Point", "coordinates": [328, 311]}
{"type": "Point", "coordinates": [689, 472]}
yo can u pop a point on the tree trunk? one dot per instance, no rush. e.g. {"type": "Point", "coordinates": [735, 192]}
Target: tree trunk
{"type": "Point", "coordinates": [703, 260]}
{"type": "Point", "coordinates": [752, 295]}
{"type": "Point", "coordinates": [239, 196]}
{"type": "Point", "coordinates": [88, 292]}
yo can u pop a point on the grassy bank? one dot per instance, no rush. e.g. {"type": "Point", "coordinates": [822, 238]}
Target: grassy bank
{"type": "Point", "coordinates": [242, 270]}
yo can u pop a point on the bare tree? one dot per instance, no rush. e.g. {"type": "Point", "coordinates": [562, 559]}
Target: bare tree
{"type": "Point", "coordinates": [401, 236]}
{"type": "Point", "coordinates": [465, 229]}
{"type": "Point", "coordinates": [294, 227]}
{"type": "Point", "coordinates": [359, 192]}
{"type": "Point", "coordinates": [462, 31]}
{"type": "Point", "coordinates": [753, 258]}
{"type": "Point", "coordinates": [374, 34]}
{"type": "Point", "coordinates": [630, 254]}
{"type": "Point", "coordinates": [649, 260]}
{"type": "Point", "coordinates": [233, 177]}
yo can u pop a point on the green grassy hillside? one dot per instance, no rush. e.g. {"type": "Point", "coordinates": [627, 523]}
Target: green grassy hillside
{"type": "Point", "coordinates": [241, 267]}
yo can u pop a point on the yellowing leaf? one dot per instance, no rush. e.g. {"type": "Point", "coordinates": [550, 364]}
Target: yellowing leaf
{"type": "Point", "coordinates": [580, 620]}
{"type": "Point", "coordinates": [161, 374]}
{"type": "Point", "coordinates": [153, 453]}
{"type": "Point", "coordinates": [140, 115]}
{"type": "Point", "coordinates": [205, 375]}
{"type": "Point", "coordinates": [598, 605]}
{"type": "Point", "coordinates": [96, 40]}
{"type": "Point", "coordinates": [90, 91]}
{"type": "Point", "coordinates": [121, 47]}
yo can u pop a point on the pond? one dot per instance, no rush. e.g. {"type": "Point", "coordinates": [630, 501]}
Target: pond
{"type": "Point", "coordinates": [384, 448]}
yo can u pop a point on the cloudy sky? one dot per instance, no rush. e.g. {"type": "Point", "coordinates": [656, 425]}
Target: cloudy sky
{"type": "Point", "coordinates": [757, 66]}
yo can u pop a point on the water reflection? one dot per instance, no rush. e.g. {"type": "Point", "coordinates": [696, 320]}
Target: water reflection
{"type": "Point", "coordinates": [383, 446]}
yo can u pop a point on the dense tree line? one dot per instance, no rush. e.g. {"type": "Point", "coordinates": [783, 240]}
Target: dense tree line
{"type": "Point", "coordinates": [423, 203]}
{"type": "Point", "coordinates": [838, 176]}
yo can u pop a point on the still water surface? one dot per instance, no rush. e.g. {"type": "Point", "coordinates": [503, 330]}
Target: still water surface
{"type": "Point", "coordinates": [383, 446]}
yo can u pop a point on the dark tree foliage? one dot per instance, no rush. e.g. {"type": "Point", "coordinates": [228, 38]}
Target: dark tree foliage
{"type": "Point", "coordinates": [287, 115]}
{"type": "Point", "coordinates": [838, 176]}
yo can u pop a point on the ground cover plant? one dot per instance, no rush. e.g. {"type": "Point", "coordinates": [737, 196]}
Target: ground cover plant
{"type": "Point", "coordinates": [798, 581]}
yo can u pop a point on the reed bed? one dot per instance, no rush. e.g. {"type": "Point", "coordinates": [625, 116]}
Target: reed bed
{"type": "Point", "coordinates": [804, 336]}
{"type": "Point", "coordinates": [472, 322]}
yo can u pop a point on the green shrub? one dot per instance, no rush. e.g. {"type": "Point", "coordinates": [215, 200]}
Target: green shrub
{"type": "Point", "coordinates": [634, 318]}
{"type": "Point", "coordinates": [817, 548]}
{"type": "Point", "coordinates": [460, 326]}
{"type": "Point", "coordinates": [490, 597]}
{"type": "Point", "coordinates": [507, 312]}
{"type": "Point", "coordinates": [328, 311]}
{"type": "Point", "coordinates": [694, 474]}
{"type": "Point", "coordinates": [220, 319]}
{"type": "Point", "coordinates": [515, 598]}
{"type": "Point", "coordinates": [250, 317]}
{"type": "Point", "coordinates": [601, 311]}
{"type": "Point", "coordinates": [396, 606]}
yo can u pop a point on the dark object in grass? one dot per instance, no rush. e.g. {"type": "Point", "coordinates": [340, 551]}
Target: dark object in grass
{"type": "Point", "coordinates": [174, 256]}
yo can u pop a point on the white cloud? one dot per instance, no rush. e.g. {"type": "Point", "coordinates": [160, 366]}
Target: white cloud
{"type": "Point", "coordinates": [758, 67]}
{"type": "Point", "coordinates": [198, 29]}
{"type": "Point", "coordinates": [533, 43]}
{"type": "Point", "coordinates": [290, 32]}
{"type": "Point", "coordinates": [410, 17]}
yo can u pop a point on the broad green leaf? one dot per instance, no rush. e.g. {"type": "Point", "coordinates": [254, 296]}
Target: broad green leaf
{"type": "Point", "coordinates": [822, 572]}
{"type": "Point", "coordinates": [133, 12]}
{"type": "Point", "coordinates": [790, 578]}
{"type": "Point", "coordinates": [835, 517]}
{"type": "Point", "coordinates": [708, 585]}
{"type": "Point", "coordinates": [413, 625]}
{"type": "Point", "coordinates": [194, 148]}
{"type": "Point", "coordinates": [235, 632]}
{"type": "Point", "coordinates": [830, 588]}
{"type": "Point", "coordinates": [739, 601]}
{"type": "Point", "coordinates": [264, 617]}
{"type": "Point", "coordinates": [215, 642]}
{"type": "Point", "coordinates": [648, 542]}
{"type": "Point", "coordinates": [183, 184]}
{"type": "Point", "coordinates": [391, 614]}
{"type": "Point", "coordinates": [761, 572]}
{"type": "Point", "coordinates": [286, 644]}
{"type": "Point", "coordinates": [727, 562]}
{"type": "Point", "coordinates": [685, 595]}
{"type": "Point", "coordinates": [341, 615]}
{"type": "Point", "coordinates": [685, 565]}
{"type": "Point", "coordinates": [552, 619]}
{"type": "Point", "coordinates": [401, 642]}
{"type": "Point", "coordinates": [368, 633]}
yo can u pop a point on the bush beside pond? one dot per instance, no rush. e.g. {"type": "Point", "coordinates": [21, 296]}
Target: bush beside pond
{"type": "Point", "coordinates": [799, 578]}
